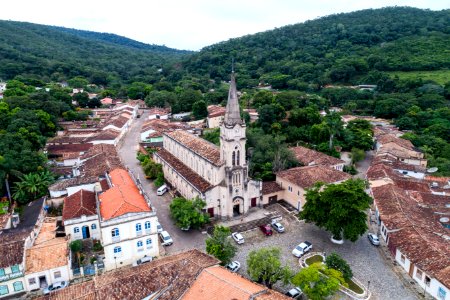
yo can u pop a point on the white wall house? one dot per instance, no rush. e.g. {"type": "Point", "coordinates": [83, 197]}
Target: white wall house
{"type": "Point", "coordinates": [127, 222]}
{"type": "Point", "coordinates": [80, 216]}
{"type": "Point", "coordinates": [12, 279]}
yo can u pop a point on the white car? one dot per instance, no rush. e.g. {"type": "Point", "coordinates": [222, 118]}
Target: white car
{"type": "Point", "coordinates": [159, 228]}
{"type": "Point", "coordinates": [237, 237]}
{"type": "Point", "coordinates": [166, 240]}
{"type": "Point", "coordinates": [55, 286]}
{"type": "Point", "coordinates": [302, 248]}
{"type": "Point", "coordinates": [144, 260]}
{"type": "Point", "coordinates": [234, 266]}
{"type": "Point", "coordinates": [294, 293]}
{"type": "Point", "coordinates": [278, 227]}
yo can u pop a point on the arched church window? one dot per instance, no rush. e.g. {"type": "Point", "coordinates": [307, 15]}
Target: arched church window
{"type": "Point", "coordinates": [238, 157]}
{"type": "Point", "coordinates": [233, 158]}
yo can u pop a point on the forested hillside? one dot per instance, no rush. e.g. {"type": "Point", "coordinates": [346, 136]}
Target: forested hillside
{"type": "Point", "coordinates": [54, 54]}
{"type": "Point", "coordinates": [343, 48]}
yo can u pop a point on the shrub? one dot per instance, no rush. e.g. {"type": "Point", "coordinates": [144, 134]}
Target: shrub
{"type": "Point", "coordinates": [334, 261]}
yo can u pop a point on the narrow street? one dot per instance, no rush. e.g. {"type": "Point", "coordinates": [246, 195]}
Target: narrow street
{"type": "Point", "coordinates": [182, 240]}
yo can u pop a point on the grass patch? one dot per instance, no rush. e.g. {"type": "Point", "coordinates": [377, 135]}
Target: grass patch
{"type": "Point", "coordinates": [439, 76]}
{"type": "Point", "coordinates": [314, 259]}
{"type": "Point", "coordinates": [354, 287]}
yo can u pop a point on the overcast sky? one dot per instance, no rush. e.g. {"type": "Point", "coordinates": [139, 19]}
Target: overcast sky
{"type": "Point", "coordinates": [187, 24]}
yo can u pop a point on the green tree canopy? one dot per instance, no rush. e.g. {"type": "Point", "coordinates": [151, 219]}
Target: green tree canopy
{"type": "Point", "coordinates": [220, 245]}
{"type": "Point", "coordinates": [264, 266]}
{"type": "Point", "coordinates": [334, 261]}
{"type": "Point", "coordinates": [338, 208]}
{"type": "Point", "coordinates": [318, 282]}
{"type": "Point", "coordinates": [188, 213]}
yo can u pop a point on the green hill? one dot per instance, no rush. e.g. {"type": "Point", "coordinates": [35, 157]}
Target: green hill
{"type": "Point", "coordinates": [341, 48]}
{"type": "Point", "coordinates": [56, 53]}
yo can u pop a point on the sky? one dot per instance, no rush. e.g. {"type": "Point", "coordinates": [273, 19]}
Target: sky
{"type": "Point", "coordinates": [187, 24]}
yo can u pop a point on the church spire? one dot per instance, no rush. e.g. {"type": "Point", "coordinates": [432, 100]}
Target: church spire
{"type": "Point", "coordinates": [232, 113]}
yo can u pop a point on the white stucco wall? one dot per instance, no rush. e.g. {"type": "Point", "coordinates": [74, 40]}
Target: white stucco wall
{"type": "Point", "coordinates": [49, 277]}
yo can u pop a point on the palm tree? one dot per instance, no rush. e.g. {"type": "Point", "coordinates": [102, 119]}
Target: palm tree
{"type": "Point", "coordinates": [32, 186]}
{"type": "Point", "coordinates": [334, 124]}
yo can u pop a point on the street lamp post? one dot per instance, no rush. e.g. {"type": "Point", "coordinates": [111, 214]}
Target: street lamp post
{"type": "Point", "coordinates": [368, 285]}
{"type": "Point", "coordinates": [115, 261]}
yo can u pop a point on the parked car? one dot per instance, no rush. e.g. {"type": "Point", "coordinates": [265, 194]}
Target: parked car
{"type": "Point", "coordinates": [55, 286]}
{"type": "Point", "coordinates": [302, 248]}
{"type": "Point", "coordinates": [144, 260]}
{"type": "Point", "coordinates": [278, 227]}
{"type": "Point", "coordinates": [294, 293]}
{"type": "Point", "coordinates": [373, 238]}
{"type": "Point", "coordinates": [266, 229]}
{"type": "Point", "coordinates": [166, 240]}
{"type": "Point", "coordinates": [237, 237]}
{"type": "Point", "coordinates": [159, 228]}
{"type": "Point", "coordinates": [234, 266]}
{"type": "Point", "coordinates": [161, 190]}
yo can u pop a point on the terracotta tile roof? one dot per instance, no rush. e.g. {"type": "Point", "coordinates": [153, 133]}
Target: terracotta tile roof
{"type": "Point", "coordinates": [122, 198]}
{"type": "Point", "coordinates": [99, 159]}
{"type": "Point", "coordinates": [269, 187]}
{"type": "Point", "coordinates": [104, 135]}
{"type": "Point", "coordinates": [389, 138]}
{"type": "Point", "coordinates": [415, 219]}
{"type": "Point", "coordinates": [216, 111]}
{"type": "Point", "coordinates": [412, 185]}
{"type": "Point", "coordinates": [63, 184]}
{"type": "Point", "coordinates": [306, 177]}
{"type": "Point", "coordinates": [158, 111]}
{"type": "Point", "coordinates": [68, 148]}
{"type": "Point", "coordinates": [163, 125]}
{"type": "Point", "coordinates": [271, 295]}
{"type": "Point", "coordinates": [217, 283]}
{"type": "Point", "coordinates": [188, 174]}
{"type": "Point", "coordinates": [81, 203]}
{"type": "Point", "coordinates": [106, 100]}
{"type": "Point", "coordinates": [309, 157]}
{"type": "Point", "coordinates": [66, 140]}
{"type": "Point", "coordinates": [166, 278]}
{"type": "Point", "coordinates": [118, 122]}
{"type": "Point", "coordinates": [381, 171]}
{"type": "Point", "coordinates": [198, 145]}
{"type": "Point", "coordinates": [392, 161]}
{"type": "Point", "coordinates": [48, 251]}
{"type": "Point", "coordinates": [12, 245]}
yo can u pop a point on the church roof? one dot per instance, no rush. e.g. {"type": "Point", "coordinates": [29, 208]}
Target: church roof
{"type": "Point", "coordinates": [232, 113]}
{"type": "Point", "coordinates": [187, 173]}
{"type": "Point", "coordinates": [198, 145]}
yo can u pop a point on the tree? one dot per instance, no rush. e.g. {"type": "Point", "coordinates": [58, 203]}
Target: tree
{"type": "Point", "coordinates": [32, 186]}
{"type": "Point", "coordinates": [188, 213]}
{"type": "Point", "coordinates": [317, 281]}
{"type": "Point", "coordinates": [199, 109]}
{"type": "Point", "coordinates": [334, 261]}
{"type": "Point", "coordinates": [76, 247]}
{"type": "Point", "coordinates": [338, 208]}
{"type": "Point", "coordinates": [334, 124]}
{"type": "Point", "coordinates": [357, 155]}
{"type": "Point", "coordinates": [264, 266]}
{"type": "Point", "coordinates": [220, 246]}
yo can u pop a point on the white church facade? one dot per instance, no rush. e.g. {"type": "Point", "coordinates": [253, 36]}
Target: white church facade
{"type": "Point", "coordinates": [195, 167]}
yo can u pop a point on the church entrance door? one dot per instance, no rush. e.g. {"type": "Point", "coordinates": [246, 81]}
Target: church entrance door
{"type": "Point", "coordinates": [236, 211]}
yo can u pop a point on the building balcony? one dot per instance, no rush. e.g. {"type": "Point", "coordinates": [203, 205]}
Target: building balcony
{"type": "Point", "coordinates": [11, 276]}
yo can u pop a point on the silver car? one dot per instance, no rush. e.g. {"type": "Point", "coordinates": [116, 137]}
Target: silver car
{"type": "Point", "coordinates": [238, 238]}
{"type": "Point", "coordinates": [374, 240]}
{"type": "Point", "coordinates": [55, 286]}
{"type": "Point", "coordinates": [278, 227]}
{"type": "Point", "coordinates": [234, 266]}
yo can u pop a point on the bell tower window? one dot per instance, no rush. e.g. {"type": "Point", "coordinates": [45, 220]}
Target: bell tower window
{"type": "Point", "coordinates": [233, 158]}
{"type": "Point", "coordinates": [238, 157]}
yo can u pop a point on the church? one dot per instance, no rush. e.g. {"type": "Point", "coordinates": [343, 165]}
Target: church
{"type": "Point", "coordinates": [195, 167]}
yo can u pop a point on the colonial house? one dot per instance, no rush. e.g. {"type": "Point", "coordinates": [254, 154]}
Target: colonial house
{"type": "Point", "coordinates": [13, 242]}
{"type": "Point", "coordinates": [416, 228]}
{"type": "Point", "coordinates": [309, 157]}
{"type": "Point", "coordinates": [127, 222]}
{"type": "Point", "coordinates": [195, 167]}
{"type": "Point", "coordinates": [158, 113]}
{"type": "Point", "coordinates": [400, 148]}
{"type": "Point", "coordinates": [296, 181]}
{"type": "Point", "coordinates": [47, 261]}
{"type": "Point", "coordinates": [80, 216]}
{"type": "Point", "coordinates": [216, 114]}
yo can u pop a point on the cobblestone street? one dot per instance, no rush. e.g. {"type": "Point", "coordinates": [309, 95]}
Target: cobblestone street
{"type": "Point", "coordinates": [366, 261]}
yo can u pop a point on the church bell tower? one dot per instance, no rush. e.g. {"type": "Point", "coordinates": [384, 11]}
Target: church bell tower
{"type": "Point", "coordinates": [232, 152]}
